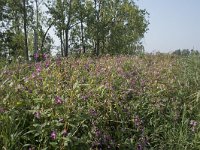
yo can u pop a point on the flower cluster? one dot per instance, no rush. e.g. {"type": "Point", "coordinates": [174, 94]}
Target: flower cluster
{"type": "Point", "coordinates": [193, 125]}
{"type": "Point", "coordinates": [58, 100]}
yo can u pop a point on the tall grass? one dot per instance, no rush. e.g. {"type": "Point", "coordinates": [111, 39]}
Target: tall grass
{"type": "Point", "coordinates": [119, 102]}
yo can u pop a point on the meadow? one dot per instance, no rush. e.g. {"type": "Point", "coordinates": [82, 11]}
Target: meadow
{"type": "Point", "coordinates": [110, 102]}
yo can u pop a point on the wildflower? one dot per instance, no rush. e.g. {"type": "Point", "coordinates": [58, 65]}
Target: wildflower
{"type": "Point", "coordinates": [33, 75]}
{"type": "Point", "coordinates": [2, 110]}
{"type": "Point", "coordinates": [36, 55]}
{"type": "Point", "coordinates": [47, 63]}
{"type": "Point", "coordinates": [37, 115]}
{"type": "Point", "coordinates": [137, 121]}
{"type": "Point", "coordinates": [64, 133]}
{"type": "Point", "coordinates": [53, 135]}
{"type": "Point", "coordinates": [107, 138]}
{"type": "Point", "coordinates": [45, 56]}
{"type": "Point", "coordinates": [58, 100]}
{"type": "Point", "coordinates": [139, 147]}
{"type": "Point", "coordinates": [193, 124]}
{"type": "Point", "coordinates": [85, 97]}
{"type": "Point", "coordinates": [30, 148]}
{"type": "Point", "coordinates": [93, 112]}
{"type": "Point", "coordinates": [97, 133]}
{"type": "Point", "coordinates": [38, 68]}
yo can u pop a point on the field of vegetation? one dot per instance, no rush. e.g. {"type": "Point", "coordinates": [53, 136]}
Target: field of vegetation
{"type": "Point", "coordinates": [110, 102]}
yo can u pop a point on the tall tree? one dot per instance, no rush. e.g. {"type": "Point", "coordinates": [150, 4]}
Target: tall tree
{"type": "Point", "coordinates": [113, 26]}
{"type": "Point", "coordinates": [25, 30]}
{"type": "Point", "coordinates": [64, 20]}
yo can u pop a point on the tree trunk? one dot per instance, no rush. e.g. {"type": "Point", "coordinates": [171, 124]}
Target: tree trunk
{"type": "Point", "coordinates": [25, 32]}
{"type": "Point", "coordinates": [61, 43]}
{"type": "Point", "coordinates": [98, 8]}
{"type": "Point", "coordinates": [67, 29]}
{"type": "Point", "coordinates": [35, 43]}
{"type": "Point", "coordinates": [97, 47]}
{"type": "Point", "coordinates": [37, 24]}
{"type": "Point", "coordinates": [44, 36]}
{"type": "Point", "coordinates": [66, 42]}
{"type": "Point", "coordinates": [82, 36]}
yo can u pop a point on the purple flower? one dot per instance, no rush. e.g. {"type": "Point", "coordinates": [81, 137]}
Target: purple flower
{"type": "Point", "coordinates": [64, 133]}
{"type": "Point", "coordinates": [45, 56]}
{"type": "Point", "coordinates": [38, 67]}
{"type": "Point", "coordinates": [137, 121]}
{"type": "Point", "coordinates": [85, 97]}
{"type": "Point", "coordinates": [107, 138]}
{"type": "Point", "coordinates": [53, 135]}
{"type": "Point", "coordinates": [139, 147]}
{"type": "Point", "coordinates": [47, 63]}
{"type": "Point", "coordinates": [36, 55]}
{"type": "Point", "coordinates": [58, 100]}
{"type": "Point", "coordinates": [33, 75]}
{"type": "Point", "coordinates": [193, 124]}
{"type": "Point", "coordinates": [30, 148]}
{"type": "Point", "coordinates": [93, 112]}
{"type": "Point", "coordinates": [97, 133]}
{"type": "Point", "coordinates": [37, 115]}
{"type": "Point", "coordinates": [2, 110]}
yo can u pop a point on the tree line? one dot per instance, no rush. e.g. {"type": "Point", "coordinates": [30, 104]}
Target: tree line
{"type": "Point", "coordinates": [89, 26]}
{"type": "Point", "coordinates": [185, 52]}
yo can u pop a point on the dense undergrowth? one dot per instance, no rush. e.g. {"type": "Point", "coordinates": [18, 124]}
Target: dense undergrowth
{"type": "Point", "coordinates": [121, 102]}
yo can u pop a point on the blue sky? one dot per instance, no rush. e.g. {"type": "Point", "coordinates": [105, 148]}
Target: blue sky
{"type": "Point", "coordinates": [174, 24]}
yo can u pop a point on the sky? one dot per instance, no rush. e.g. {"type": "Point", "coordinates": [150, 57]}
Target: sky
{"type": "Point", "coordinates": [174, 24]}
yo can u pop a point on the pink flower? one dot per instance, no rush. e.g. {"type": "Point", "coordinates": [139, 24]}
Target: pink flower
{"type": "Point", "coordinates": [137, 121]}
{"type": "Point", "coordinates": [37, 115]}
{"type": "Point", "coordinates": [64, 133]}
{"type": "Point", "coordinates": [45, 56]}
{"type": "Point", "coordinates": [38, 67]}
{"type": "Point", "coordinates": [58, 100]}
{"type": "Point", "coordinates": [36, 55]}
{"type": "Point", "coordinates": [33, 75]}
{"type": "Point", "coordinates": [193, 124]}
{"type": "Point", "coordinates": [47, 63]}
{"type": "Point", "coordinates": [53, 135]}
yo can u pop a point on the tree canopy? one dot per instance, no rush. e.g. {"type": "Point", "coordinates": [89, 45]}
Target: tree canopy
{"type": "Point", "coordinates": [83, 26]}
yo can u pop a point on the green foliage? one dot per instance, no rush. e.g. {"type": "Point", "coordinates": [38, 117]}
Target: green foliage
{"type": "Point", "coordinates": [12, 37]}
{"type": "Point", "coordinates": [124, 102]}
{"type": "Point", "coordinates": [97, 27]}
{"type": "Point", "coordinates": [107, 27]}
